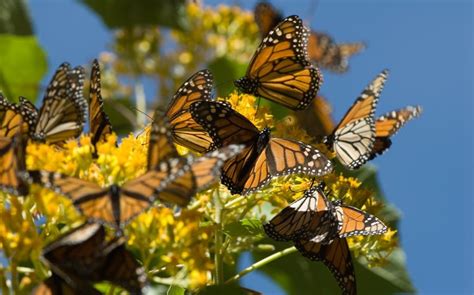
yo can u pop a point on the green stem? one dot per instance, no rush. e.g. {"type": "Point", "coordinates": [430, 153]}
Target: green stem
{"type": "Point", "coordinates": [15, 279]}
{"type": "Point", "coordinates": [261, 263]}
{"type": "Point", "coordinates": [219, 265]}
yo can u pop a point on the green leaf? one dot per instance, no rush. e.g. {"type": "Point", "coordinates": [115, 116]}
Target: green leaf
{"type": "Point", "coordinates": [121, 115]}
{"type": "Point", "coordinates": [22, 65]}
{"type": "Point", "coordinates": [298, 275]}
{"type": "Point", "coordinates": [14, 18]}
{"type": "Point", "coordinates": [176, 290]}
{"type": "Point", "coordinates": [225, 71]}
{"type": "Point", "coordinates": [245, 227]}
{"type": "Point", "coordinates": [125, 13]}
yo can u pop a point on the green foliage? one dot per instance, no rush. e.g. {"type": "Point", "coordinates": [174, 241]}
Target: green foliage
{"type": "Point", "coordinates": [297, 275]}
{"type": "Point", "coordinates": [14, 18]}
{"type": "Point", "coordinates": [175, 290]}
{"type": "Point", "coordinates": [245, 227]}
{"type": "Point", "coordinates": [124, 13]}
{"type": "Point", "coordinates": [225, 71]}
{"type": "Point", "coordinates": [23, 64]}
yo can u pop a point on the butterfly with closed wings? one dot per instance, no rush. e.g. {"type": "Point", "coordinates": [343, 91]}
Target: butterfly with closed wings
{"type": "Point", "coordinates": [263, 157]}
{"type": "Point", "coordinates": [169, 179]}
{"type": "Point", "coordinates": [184, 129]}
{"type": "Point", "coordinates": [280, 70]}
{"type": "Point", "coordinates": [13, 173]}
{"type": "Point", "coordinates": [99, 123]}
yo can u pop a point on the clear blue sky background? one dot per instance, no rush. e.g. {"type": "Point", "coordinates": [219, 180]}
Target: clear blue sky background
{"type": "Point", "coordinates": [428, 173]}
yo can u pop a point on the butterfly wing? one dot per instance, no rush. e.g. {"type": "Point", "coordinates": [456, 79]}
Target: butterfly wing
{"type": "Point", "coordinates": [160, 146]}
{"type": "Point", "coordinates": [282, 157]}
{"type": "Point", "coordinates": [336, 256]}
{"type": "Point", "coordinates": [196, 175]}
{"type": "Point", "coordinates": [388, 125]}
{"type": "Point", "coordinates": [99, 122]}
{"type": "Point", "coordinates": [11, 119]}
{"type": "Point", "coordinates": [184, 129]}
{"type": "Point", "coordinates": [354, 136]}
{"type": "Point", "coordinates": [280, 70]}
{"type": "Point", "coordinates": [266, 17]}
{"type": "Point", "coordinates": [223, 124]}
{"type": "Point", "coordinates": [122, 269]}
{"type": "Point", "coordinates": [62, 114]}
{"type": "Point", "coordinates": [323, 50]}
{"type": "Point", "coordinates": [294, 219]}
{"type": "Point", "coordinates": [13, 175]}
{"type": "Point", "coordinates": [358, 222]}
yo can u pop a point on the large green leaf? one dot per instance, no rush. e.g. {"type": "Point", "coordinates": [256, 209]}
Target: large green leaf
{"type": "Point", "coordinates": [14, 18]}
{"type": "Point", "coordinates": [298, 275]}
{"type": "Point", "coordinates": [121, 115]}
{"type": "Point", "coordinates": [125, 13]}
{"type": "Point", "coordinates": [225, 71]}
{"type": "Point", "coordinates": [22, 65]}
{"type": "Point", "coordinates": [244, 228]}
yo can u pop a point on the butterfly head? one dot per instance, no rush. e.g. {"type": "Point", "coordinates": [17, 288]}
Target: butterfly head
{"type": "Point", "coordinates": [246, 85]}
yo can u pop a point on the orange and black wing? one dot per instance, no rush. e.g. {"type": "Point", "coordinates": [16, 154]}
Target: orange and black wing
{"type": "Point", "coordinates": [324, 51]}
{"type": "Point", "coordinates": [282, 157]}
{"type": "Point", "coordinates": [389, 124]}
{"type": "Point", "coordinates": [280, 70]}
{"type": "Point", "coordinates": [12, 121]}
{"type": "Point", "coordinates": [266, 17]}
{"type": "Point", "coordinates": [195, 175]}
{"type": "Point", "coordinates": [62, 115]}
{"type": "Point", "coordinates": [121, 268]}
{"type": "Point", "coordinates": [358, 222]}
{"type": "Point", "coordinates": [354, 137]}
{"type": "Point", "coordinates": [99, 122]}
{"type": "Point", "coordinates": [294, 219]}
{"type": "Point", "coordinates": [184, 129]}
{"type": "Point", "coordinates": [160, 145]}
{"type": "Point", "coordinates": [336, 256]}
{"type": "Point", "coordinates": [223, 124]}
{"type": "Point", "coordinates": [13, 175]}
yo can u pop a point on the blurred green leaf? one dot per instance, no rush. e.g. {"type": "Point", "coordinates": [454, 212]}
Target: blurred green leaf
{"type": "Point", "coordinates": [298, 275]}
{"type": "Point", "coordinates": [22, 65]}
{"type": "Point", "coordinates": [125, 13]}
{"type": "Point", "coordinates": [244, 227]}
{"type": "Point", "coordinates": [175, 290]}
{"type": "Point", "coordinates": [225, 71]}
{"type": "Point", "coordinates": [14, 18]}
{"type": "Point", "coordinates": [121, 115]}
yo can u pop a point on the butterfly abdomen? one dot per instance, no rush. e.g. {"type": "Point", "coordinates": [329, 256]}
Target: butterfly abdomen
{"type": "Point", "coordinates": [263, 139]}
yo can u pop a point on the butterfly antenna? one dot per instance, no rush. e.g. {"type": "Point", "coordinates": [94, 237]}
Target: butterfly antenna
{"type": "Point", "coordinates": [144, 113]}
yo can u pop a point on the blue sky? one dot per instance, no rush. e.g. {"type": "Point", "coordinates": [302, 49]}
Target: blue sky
{"type": "Point", "coordinates": [428, 47]}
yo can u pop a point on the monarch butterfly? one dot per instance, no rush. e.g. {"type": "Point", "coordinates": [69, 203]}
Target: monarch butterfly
{"type": "Point", "coordinates": [280, 70]}
{"type": "Point", "coordinates": [184, 129]}
{"type": "Point", "coordinates": [293, 221]}
{"type": "Point", "coordinates": [317, 120]}
{"type": "Point", "coordinates": [321, 47]}
{"type": "Point", "coordinates": [354, 137]}
{"type": "Point", "coordinates": [62, 114]}
{"type": "Point", "coordinates": [263, 157]}
{"type": "Point", "coordinates": [99, 122]}
{"type": "Point", "coordinates": [13, 175]}
{"type": "Point", "coordinates": [11, 118]}
{"type": "Point", "coordinates": [319, 228]}
{"type": "Point", "coordinates": [117, 205]}
{"type": "Point", "coordinates": [387, 125]}
{"type": "Point", "coordinates": [83, 255]}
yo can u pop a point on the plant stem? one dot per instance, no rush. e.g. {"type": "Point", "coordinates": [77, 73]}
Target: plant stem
{"type": "Point", "coordinates": [219, 266]}
{"type": "Point", "coordinates": [140, 102]}
{"type": "Point", "coordinates": [261, 263]}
